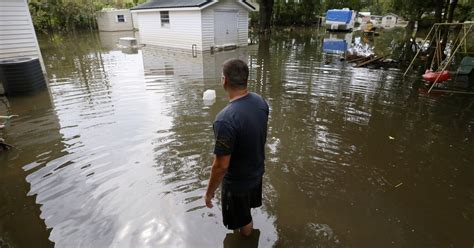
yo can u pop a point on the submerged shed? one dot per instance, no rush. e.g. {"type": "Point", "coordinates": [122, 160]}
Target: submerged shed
{"type": "Point", "coordinates": [115, 20]}
{"type": "Point", "coordinates": [194, 24]}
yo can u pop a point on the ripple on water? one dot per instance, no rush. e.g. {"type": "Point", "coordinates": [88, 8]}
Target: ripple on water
{"type": "Point", "coordinates": [130, 145]}
{"type": "Point", "coordinates": [135, 157]}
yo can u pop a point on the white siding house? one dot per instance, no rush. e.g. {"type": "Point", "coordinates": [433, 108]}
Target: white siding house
{"type": "Point", "coordinates": [363, 17]}
{"type": "Point", "coordinates": [17, 34]}
{"type": "Point", "coordinates": [198, 24]}
{"type": "Point", "coordinates": [114, 20]}
{"type": "Point", "coordinates": [390, 20]}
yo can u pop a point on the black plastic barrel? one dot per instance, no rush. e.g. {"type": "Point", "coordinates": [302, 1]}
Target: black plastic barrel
{"type": "Point", "coordinates": [21, 76]}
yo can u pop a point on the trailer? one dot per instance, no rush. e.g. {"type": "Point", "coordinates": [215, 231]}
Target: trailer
{"type": "Point", "coordinates": [340, 20]}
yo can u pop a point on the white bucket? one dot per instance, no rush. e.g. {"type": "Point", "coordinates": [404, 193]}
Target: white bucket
{"type": "Point", "coordinates": [209, 95]}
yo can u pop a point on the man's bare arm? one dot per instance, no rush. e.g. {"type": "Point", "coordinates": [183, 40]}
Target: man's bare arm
{"type": "Point", "coordinates": [219, 168]}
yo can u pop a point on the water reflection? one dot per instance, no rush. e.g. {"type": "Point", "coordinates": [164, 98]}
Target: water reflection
{"type": "Point", "coordinates": [236, 240]}
{"type": "Point", "coordinates": [36, 136]}
{"type": "Point", "coordinates": [183, 152]}
{"type": "Point", "coordinates": [336, 167]}
{"type": "Point", "coordinates": [134, 166]}
{"type": "Point", "coordinates": [110, 40]}
{"type": "Point", "coordinates": [338, 43]}
{"type": "Point", "coordinates": [129, 154]}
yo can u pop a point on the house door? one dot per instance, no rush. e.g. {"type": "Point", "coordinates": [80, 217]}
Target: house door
{"type": "Point", "coordinates": [389, 22]}
{"type": "Point", "coordinates": [225, 27]}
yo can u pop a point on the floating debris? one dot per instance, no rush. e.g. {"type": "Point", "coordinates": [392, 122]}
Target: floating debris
{"type": "Point", "coordinates": [5, 146]}
{"type": "Point", "coordinates": [128, 42]}
{"type": "Point", "coordinates": [361, 49]}
{"type": "Point", "coordinates": [323, 234]}
{"type": "Point", "coordinates": [209, 95]}
{"type": "Point", "coordinates": [7, 118]}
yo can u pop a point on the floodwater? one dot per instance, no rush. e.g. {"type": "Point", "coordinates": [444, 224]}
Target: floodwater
{"type": "Point", "coordinates": [118, 153]}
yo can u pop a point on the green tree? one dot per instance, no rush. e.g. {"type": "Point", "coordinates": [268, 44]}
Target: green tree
{"type": "Point", "coordinates": [66, 15]}
{"type": "Point", "coordinates": [290, 12]}
{"type": "Point", "coordinates": [266, 13]}
{"type": "Point", "coordinates": [339, 4]}
{"type": "Point", "coordinates": [309, 10]}
{"type": "Point", "coordinates": [413, 10]}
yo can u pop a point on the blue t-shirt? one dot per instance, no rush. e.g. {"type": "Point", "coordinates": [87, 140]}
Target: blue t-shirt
{"type": "Point", "coordinates": [240, 130]}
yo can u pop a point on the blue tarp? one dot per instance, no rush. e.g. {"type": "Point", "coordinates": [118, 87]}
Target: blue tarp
{"type": "Point", "coordinates": [339, 15]}
{"type": "Point", "coordinates": [334, 46]}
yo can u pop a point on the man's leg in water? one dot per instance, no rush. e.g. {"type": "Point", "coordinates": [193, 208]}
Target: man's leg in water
{"type": "Point", "coordinates": [247, 229]}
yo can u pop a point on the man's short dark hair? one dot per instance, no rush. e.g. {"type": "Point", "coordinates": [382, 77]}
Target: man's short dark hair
{"type": "Point", "coordinates": [237, 73]}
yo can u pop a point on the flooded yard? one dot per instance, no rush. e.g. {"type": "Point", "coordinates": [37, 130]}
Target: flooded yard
{"type": "Point", "coordinates": [118, 154]}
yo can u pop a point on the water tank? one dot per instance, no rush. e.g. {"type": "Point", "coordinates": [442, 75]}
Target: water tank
{"type": "Point", "coordinates": [21, 76]}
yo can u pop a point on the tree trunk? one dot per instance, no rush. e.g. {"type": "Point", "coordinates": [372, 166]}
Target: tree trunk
{"type": "Point", "coordinates": [438, 19]}
{"type": "Point", "coordinates": [439, 11]}
{"type": "Point", "coordinates": [263, 58]}
{"type": "Point", "coordinates": [446, 9]}
{"type": "Point", "coordinates": [449, 16]}
{"type": "Point", "coordinates": [408, 53]}
{"type": "Point", "coordinates": [266, 10]}
{"type": "Point", "coordinates": [452, 7]}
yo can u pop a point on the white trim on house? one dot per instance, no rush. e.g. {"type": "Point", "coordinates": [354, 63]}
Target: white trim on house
{"type": "Point", "coordinates": [165, 9]}
{"type": "Point", "coordinates": [241, 2]}
{"type": "Point", "coordinates": [208, 5]}
{"type": "Point", "coordinates": [246, 6]}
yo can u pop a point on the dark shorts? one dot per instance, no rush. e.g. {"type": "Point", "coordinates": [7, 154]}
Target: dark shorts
{"type": "Point", "coordinates": [236, 206]}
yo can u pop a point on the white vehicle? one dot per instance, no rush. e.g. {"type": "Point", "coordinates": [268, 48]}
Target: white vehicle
{"type": "Point", "coordinates": [340, 20]}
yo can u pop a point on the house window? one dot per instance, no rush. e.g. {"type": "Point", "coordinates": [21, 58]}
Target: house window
{"type": "Point", "coordinates": [389, 18]}
{"type": "Point", "coordinates": [165, 19]}
{"type": "Point", "coordinates": [120, 18]}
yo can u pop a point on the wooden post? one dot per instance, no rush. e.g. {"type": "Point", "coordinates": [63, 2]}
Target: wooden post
{"type": "Point", "coordinates": [450, 59]}
{"type": "Point", "coordinates": [453, 91]}
{"type": "Point", "coordinates": [418, 52]}
{"type": "Point", "coordinates": [369, 61]}
{"type": "Point", "coordinates": [465, 43]}
{"type": "Point", "coordinates": [358, 59]}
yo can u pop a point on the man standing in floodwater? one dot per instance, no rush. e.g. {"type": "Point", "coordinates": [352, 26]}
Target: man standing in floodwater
{"type": "Point", "coordinates": [240, 131]}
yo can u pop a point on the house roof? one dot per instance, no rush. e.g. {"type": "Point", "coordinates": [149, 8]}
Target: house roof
{"type": "Point", "coordinates": [175, 4]}
{"type": "Point", "coordinates": [113, 10]}
{"type": "Point", "coordinates": [161, 4]}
